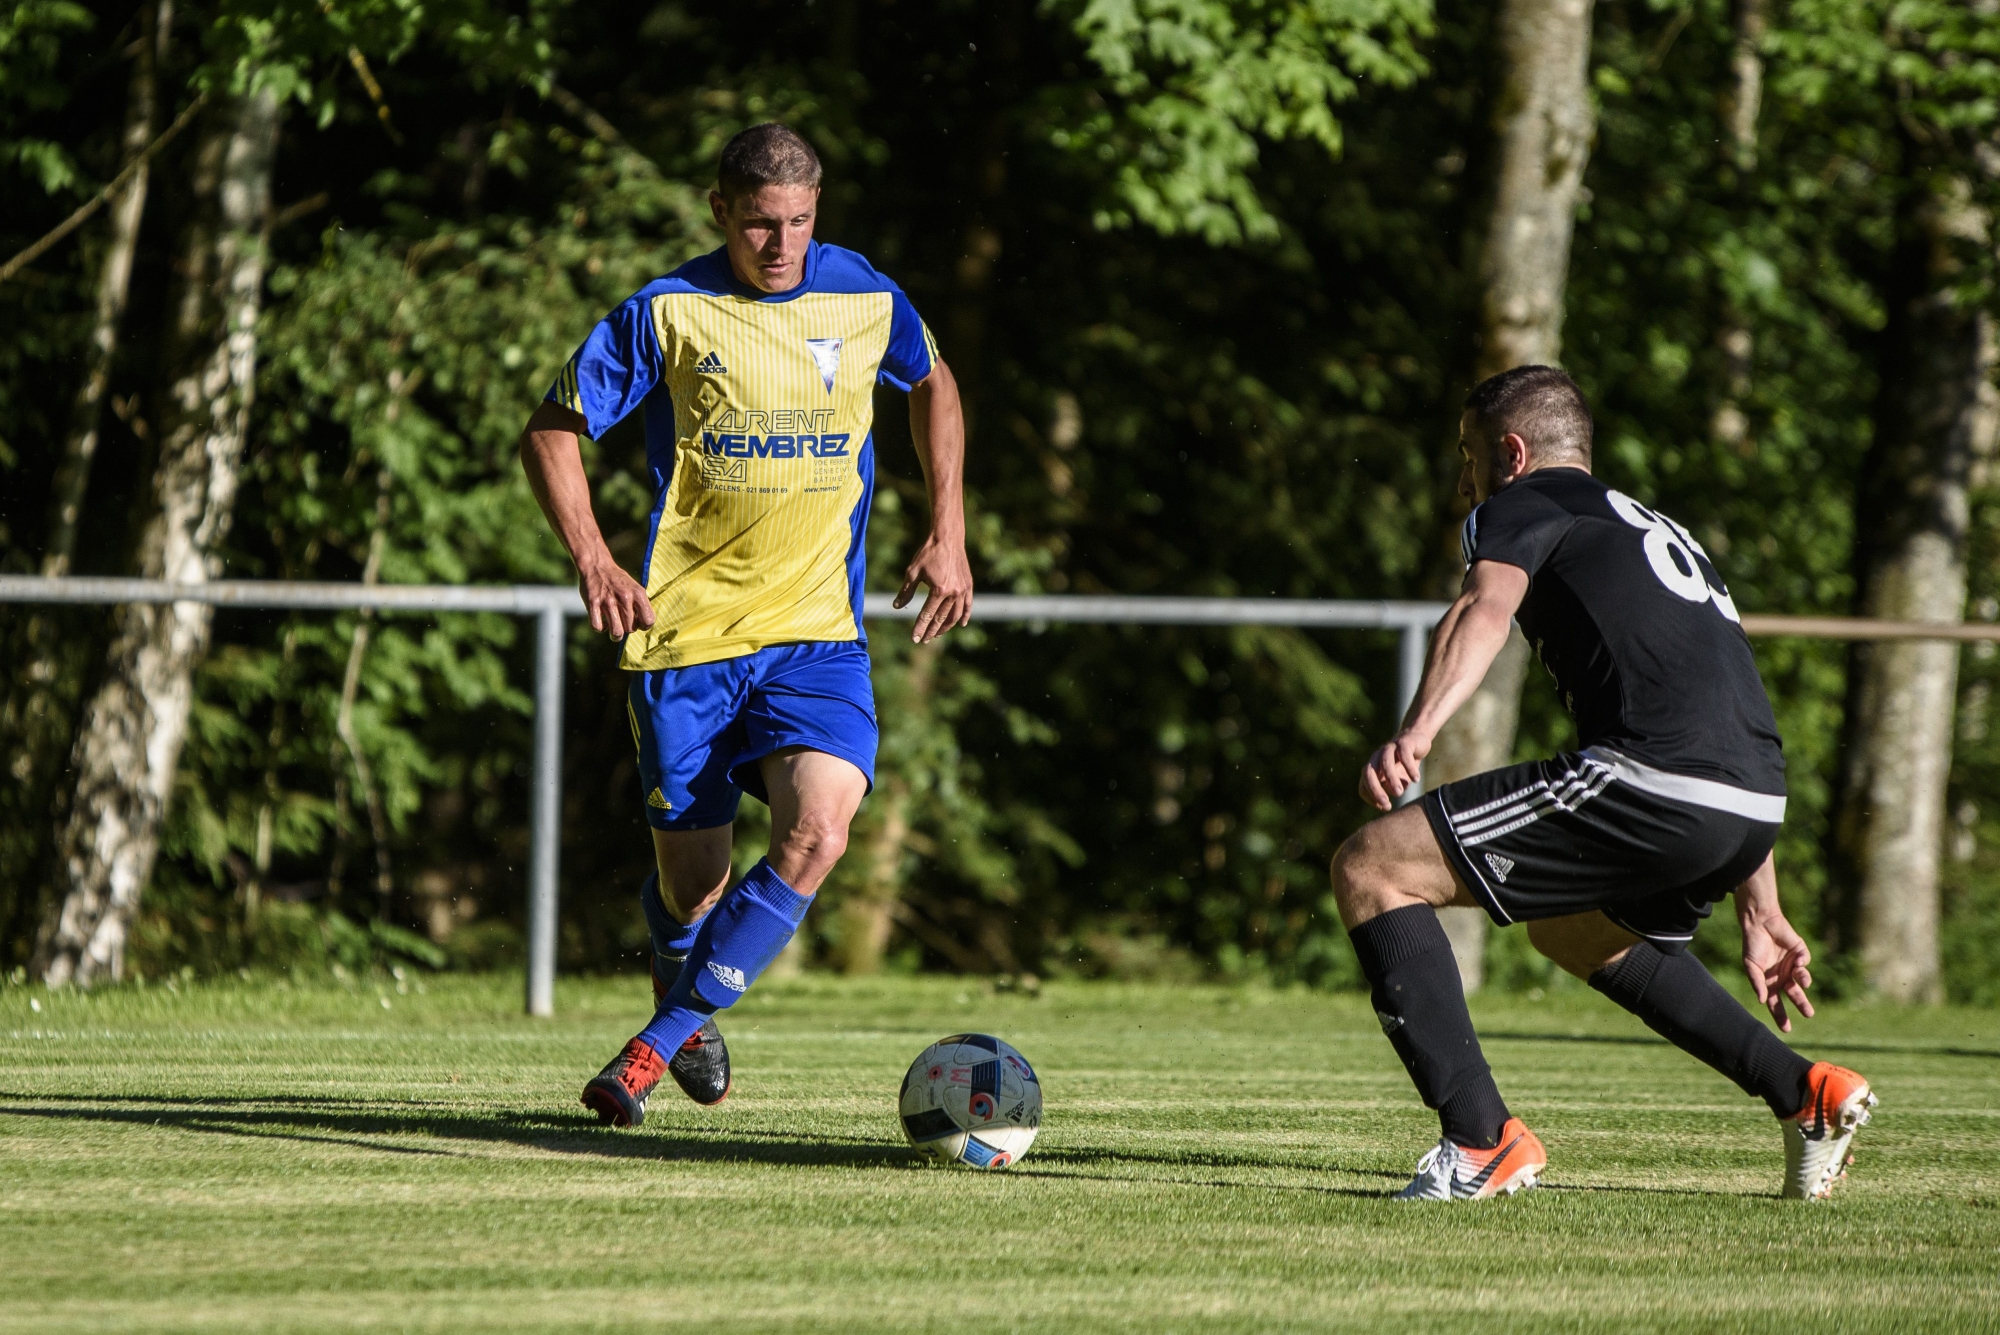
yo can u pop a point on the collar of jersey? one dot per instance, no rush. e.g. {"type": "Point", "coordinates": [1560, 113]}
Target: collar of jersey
{"type": "Point", "coordinates": [739, 288]}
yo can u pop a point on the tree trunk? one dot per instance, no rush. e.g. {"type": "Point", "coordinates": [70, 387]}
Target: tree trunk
{"type": "Point", "coordinates": [1935, 429]}
{"type": "Point", "coordinates": [1545, 123]}
{"type": "Point", "coordinates": [1729, 425]}
{"type": "Point", "coordinates": [125, 757]}
{"type": "Point", "coordinates": [114, 285]}
{"type": "Point", "coordinates": [867, 916]}
{"type": "Point", "coordinates": [40, 712]}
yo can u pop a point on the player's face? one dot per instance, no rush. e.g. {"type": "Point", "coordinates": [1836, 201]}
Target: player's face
{"type": "Point", "coordinates": [1475, 479]}
{"type": "Point", "coordinates": [766, 232]}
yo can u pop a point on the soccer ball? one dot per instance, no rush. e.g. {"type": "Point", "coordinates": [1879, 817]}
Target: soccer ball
{"type": "Point", "coordinates": [971, 1099]}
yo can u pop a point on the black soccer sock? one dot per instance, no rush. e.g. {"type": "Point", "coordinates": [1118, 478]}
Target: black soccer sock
{"type": "Point", "coordinates": [1421, 1004]}
{"type": "Point", "coordinates": [1681, 1002]}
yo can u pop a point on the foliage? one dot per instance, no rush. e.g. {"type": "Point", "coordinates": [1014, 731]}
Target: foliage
{"type": "Point", "coordinates": [1191, 87]}
{"type": "Point", "coordinates": [1206, 272]}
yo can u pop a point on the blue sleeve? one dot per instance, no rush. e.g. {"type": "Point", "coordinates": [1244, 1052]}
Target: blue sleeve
{"type": "Point", "coordinates": [912, 353]}
{"type": "Point", "coordinates": [614, 369]}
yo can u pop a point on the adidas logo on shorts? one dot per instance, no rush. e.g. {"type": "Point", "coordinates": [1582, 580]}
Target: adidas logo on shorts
{"type": "Point", "coordinates": [1501, 866]}
{"type": "Point", "coordinates": [710, 365]}
{"type": "Point", "coordinates": [732, 979]}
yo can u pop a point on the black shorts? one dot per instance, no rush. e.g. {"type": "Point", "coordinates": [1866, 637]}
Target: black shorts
{"type": "Point", "coordinates": [1587, 830]}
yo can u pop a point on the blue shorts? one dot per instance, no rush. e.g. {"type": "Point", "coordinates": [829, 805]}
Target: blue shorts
{"type": "Point", "coordinates": [703, 731]}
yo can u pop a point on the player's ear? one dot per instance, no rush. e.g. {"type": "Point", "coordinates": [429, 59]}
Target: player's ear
{"type": "Point", "coordinates": [1514, 454]}
{"type": "Point", "coordinates": [719, 207]}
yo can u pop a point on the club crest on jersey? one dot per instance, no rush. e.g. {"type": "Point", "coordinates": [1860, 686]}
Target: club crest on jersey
{"type": "Point", "coordinates": [826, 356]}
{"type": "Point", "coordinates": [1501, 866]}
{"type": "Point", "coordinates": [710, 365]}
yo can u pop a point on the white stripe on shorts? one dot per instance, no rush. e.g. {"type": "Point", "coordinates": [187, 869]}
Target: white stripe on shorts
{"type": "Point", "coordinates": [1768, 808]}
{"type": "Point", "coordinates": [1493, 819]}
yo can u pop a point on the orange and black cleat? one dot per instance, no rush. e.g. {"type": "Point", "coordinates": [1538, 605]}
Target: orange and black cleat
{"type": "Point", "coordinates": [618, 1093]}
{"type": "Point", "coordinates": [1454, 1172]}
{"type": "Point", "coordinates": [1838, 1103]}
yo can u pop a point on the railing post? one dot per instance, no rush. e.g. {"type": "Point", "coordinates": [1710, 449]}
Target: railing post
{"type": "Point", "coordinates": [1410, 673]}
{"type": "Point", "coordinates": [545, 840]}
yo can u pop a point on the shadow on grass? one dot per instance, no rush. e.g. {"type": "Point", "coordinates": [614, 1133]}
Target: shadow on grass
{"type": "Point", "coordinates": [322, 1120]}
{"type": "Point", "coordinates": [319, 1119]}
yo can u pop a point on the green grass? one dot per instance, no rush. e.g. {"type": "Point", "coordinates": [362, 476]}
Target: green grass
{"type": "Point", "coordinates": [256, 1157]}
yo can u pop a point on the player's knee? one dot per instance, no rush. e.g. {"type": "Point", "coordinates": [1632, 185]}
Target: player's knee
{"type": "Point", "coordinates": [813, 844]}
{"type": "Point", "coordinates": [1358, 879]}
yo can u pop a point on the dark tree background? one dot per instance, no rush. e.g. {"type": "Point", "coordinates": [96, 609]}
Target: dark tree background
{"type": "Point", "coordinates": [1209, 281]}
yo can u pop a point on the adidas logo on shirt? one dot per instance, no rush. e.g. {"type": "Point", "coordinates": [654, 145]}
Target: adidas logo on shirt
{"type": "Point", "coordinates": [1501, 866]}
{"type": "Point", "coordinates": [732, 979]}
{"type": "Point", "coordinates": [710, 365]}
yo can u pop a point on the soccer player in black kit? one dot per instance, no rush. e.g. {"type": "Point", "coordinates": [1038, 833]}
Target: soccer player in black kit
{"type": "Point", "coordinates": [1611, 854]}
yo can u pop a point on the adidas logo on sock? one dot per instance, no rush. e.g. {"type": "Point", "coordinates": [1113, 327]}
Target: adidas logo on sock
{"type": "Point", "coordinates": [1390, 1023]}
{"type": "Point", "coordinates": [1501, 866]}
{"type": "Point", "coordinates": [710, 365]}
{"type": "Point", "coordinates": [732, 979]}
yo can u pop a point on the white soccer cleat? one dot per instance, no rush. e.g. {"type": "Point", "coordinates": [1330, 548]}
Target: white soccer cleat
{"type": "Point", "coordinates": [1838, 1103]}
{"type": "Point", "coordinates": [1452, 1172]}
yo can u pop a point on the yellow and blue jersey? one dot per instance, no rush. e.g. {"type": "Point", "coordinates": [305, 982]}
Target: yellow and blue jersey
{"type": "Point", "coordinates": [759, 409]}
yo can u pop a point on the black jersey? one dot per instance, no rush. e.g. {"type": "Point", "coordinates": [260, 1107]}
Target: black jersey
{"type": "Point", "coordinates": [1630, 617]}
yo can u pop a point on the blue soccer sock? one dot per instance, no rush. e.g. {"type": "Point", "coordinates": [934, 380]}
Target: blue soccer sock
{"type": "Point", "coordinates": [732, 945]}
{"type": "Point", "coordinates": [671, 940]}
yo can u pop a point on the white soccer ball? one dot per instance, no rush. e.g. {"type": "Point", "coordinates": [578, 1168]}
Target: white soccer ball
{"type": "Point", "coordinates": [971, 1099]}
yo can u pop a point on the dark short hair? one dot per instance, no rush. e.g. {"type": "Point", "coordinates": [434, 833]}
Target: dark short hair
{"type": "Point", "coordinates": [767, 154]}
{"type": "Point", "coordinates": [1540, 404]}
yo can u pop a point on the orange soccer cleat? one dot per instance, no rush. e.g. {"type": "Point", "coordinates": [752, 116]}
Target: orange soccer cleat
{"type": "Point", "coordinates": [1452, 1172]}
{"type": "Point", "coordinates": [618, 1093]}
{"type": "Point", "coordinates": [1838, 1103]}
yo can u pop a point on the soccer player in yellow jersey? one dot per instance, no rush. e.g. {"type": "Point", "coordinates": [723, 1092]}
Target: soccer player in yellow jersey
{"type": "Point", "coordinates": [755, 367]}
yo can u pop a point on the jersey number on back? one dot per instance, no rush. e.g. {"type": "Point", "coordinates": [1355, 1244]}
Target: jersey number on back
{"type": "Point", "coordinates": [1671, 551]}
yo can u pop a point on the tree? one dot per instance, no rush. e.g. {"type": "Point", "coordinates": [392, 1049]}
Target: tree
{"type": "Point", "coordinates": [1936, 422]}
{"type": "Point", "coordinates": [1935, 431]}
{"type": "Point", "coordinates": [1544, 122]}
{"type": "Point", "coordinates": [131, 740]}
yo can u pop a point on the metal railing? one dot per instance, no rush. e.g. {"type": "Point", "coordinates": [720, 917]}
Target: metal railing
{"type": "Point", "coordinates": [551, 605]}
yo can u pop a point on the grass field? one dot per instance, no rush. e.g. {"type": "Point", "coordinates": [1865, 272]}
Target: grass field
{"type": "Point", "coordinates": [259, 1157]}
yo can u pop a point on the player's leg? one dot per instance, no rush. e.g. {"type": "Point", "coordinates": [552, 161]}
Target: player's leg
{"type": "Point", "coordinates": [1680, 1001]}
{"type": "Point", "coordinates": [692, 872]}
{"type": "Point", "coordinates": [1389, 879]}
{"type": "Point", "coordinates": [686, 727]}
{"type": "Point", "coordinates": [813, 798]}
{"type": "Point", "coordinates": [1818, 1104]}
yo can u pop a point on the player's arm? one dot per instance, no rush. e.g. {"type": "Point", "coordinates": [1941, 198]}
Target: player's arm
{"type": "Point", "coordinates": [553, 462]}
{"type": "Point", "coordinates": [937, 424]}
{"type": "Point", "coordinates": [1463, 646]}
{"type": "Point", "coordinates": [1774, 955]}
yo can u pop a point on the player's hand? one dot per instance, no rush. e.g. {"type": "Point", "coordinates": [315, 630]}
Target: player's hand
{"type": "Point", "coordinates": [942, 565]}
{"type": "Point", "coordinates": [1776, 957]}
{"type": "Point", "coordinates": [616, 602]}
{"type": "Point", "coordinates": [1394, 768]}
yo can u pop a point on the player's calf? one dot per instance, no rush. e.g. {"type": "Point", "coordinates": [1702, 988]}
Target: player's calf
{"type": "Point", "coordinates": [700, 1066]}
{"type": "Point", "coordinates": [1387, 878]}
{"type": "Point", "coordinates": [734, 944]}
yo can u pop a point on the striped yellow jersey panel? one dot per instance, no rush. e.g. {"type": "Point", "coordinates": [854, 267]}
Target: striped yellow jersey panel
{"type": "Point", "coordinates": [773, 405]}
{"type": "Point", "coordinates": [758, 411]}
